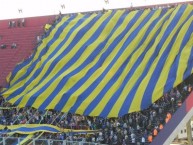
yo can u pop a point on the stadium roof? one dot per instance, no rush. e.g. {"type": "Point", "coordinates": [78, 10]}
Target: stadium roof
{"type": "Point", "coordinates": [24, 8]}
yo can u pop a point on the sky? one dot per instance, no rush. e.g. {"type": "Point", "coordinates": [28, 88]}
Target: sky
{"type": "Point", "coordinates": [10, 8]}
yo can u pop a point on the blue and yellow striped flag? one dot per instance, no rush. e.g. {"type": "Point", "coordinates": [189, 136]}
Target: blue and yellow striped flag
{"type": "Point", "coordinates": [107, 64]}
{"type": "Point", "coordinates": [34, 128]}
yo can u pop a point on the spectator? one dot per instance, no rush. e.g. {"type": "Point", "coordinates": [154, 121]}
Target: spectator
{"type": "Point", "coordinates": [169, 115]}
{"type": "Point", "coordinates": [39, 39]}
{"type": "Point", "coordinates": [150, 138]}
{"type": "Point", "coordinates": [23, 22]}
{"type": "Point", "coordinates": [142, 140]}
{"type": "Point", "coordinates": [19, 23]}
{"type": "Point", "coordinates": [3, 46]}
{"type": "Point", "coordinates": [161, 126]}
{"type": "Point", "coordinates": [13, 24]}
{"type": "Point", "coordinates": [59, 16]}
{"type": "Point", "coordinates": [189, 88]}
{"type": "Point", "coordinates": [155, 132]}
{"type": "Point", "coordinates": [13, 45]}
{"type": "Point", "coordinates": [10, 24]}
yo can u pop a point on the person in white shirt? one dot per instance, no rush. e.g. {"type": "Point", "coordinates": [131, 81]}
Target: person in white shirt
{"type": "Point", "coordinates": [143, 140]}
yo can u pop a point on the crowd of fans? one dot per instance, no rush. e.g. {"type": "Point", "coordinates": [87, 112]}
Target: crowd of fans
{"type": "Point", "coordinates": [138, 127]}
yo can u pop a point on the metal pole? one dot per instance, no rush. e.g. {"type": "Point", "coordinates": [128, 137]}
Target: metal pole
{"type": "Point", "coordinates": [34, 141]}
{"type": "Point", "coordinates": [48, 141]}
{"type": "Point", "coordinates": [18, 140]}
{"type": "Point", "coordinates": [64, 142]}
{"type": "Point", "coordinates": [189, 132]}
{"type": "Point", "coordinates": [3, 140]}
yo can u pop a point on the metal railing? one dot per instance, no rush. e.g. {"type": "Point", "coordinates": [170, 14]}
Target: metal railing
{"type": "Point", "coordinates": [17, 141]}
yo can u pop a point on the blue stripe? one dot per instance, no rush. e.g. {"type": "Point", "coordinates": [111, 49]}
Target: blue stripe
{"type": "Point", "coordinates": [173, 71]}
{"type": "Point", "coordinates": [75, 58]}
{"type": "Point", "coordinates": [54, 62]}
{"type": "Point", "coordinates": [97, 65]}
{"type": "Point", "coordinates": [127, 78]}
{"type": "Point", "coordinates": [109, 105]}
{"type": "Point", "coordinates": [113, 99]}
{"type": "Point", "coordinates": [37, 129]}
{"type": "Point", "coordinates": [189, 68]}
{"type": "Point", "coordinates": [43, 52]}
{"type": "Point", "coordinates": [147, 99]}
{"type": "Point", "coordinates": [98, 98]}
{"type": "Point", "coordinates": [20, 66]}
{"type": "Point", "coordinates": [69, 63]}
{"type": "Point", "coordinates": [100, 62]}
{"type": "Point", "coordinates": [51, 55]}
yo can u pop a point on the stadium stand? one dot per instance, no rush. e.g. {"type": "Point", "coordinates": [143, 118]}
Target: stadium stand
{"type": "Point", "coordinates": [24, 37]}
{"type": "Point", "coordinates": [130, 129]}
{"type": "Point", "coordinates": [133, 128]}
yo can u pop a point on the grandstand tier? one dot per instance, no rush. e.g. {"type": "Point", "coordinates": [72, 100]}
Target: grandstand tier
{"type": "Point", "coordinates": [25, 39]}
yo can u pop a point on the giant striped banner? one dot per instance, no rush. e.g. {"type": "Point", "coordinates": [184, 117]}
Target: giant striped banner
{"type": "Point", "coordinates": [106, 64]}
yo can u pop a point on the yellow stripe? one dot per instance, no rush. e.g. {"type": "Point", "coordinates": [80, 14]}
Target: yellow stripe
{"type": "Point", "coordinates": [44, 70]}
{"type": "Point", "coordinates": [159, 88]}
{"type": "Point", "coordinates": [117, 106]}
{"type": "Point", "coordinates": [92, 96]}
{"type": "Point", "coordinates": [41, 47]}
{"type": "Point", "coordinates": [184, 57]}
{"type": "Point", "coordinates": [6, 108]}
{"type": "Point", "coordinates": [33, 132]}
{"type": "Point", "coordinates": [36, 137]}
{"type": "Point", "coordinates": [11, 127]}
{"type": "Point", "coordinates": [2, 127]}
{"type": "Point", "coordinates": [141, 89]}
{"type": "Point", "coordinates": [30, 136]}
{"type": "Point", "coordinates": [62, 62]}
{"type": "Point", "coordinates": [125, 55]}
{"type": "Point", "coordinates": [15, 127]}
{"type": "Point", "coordinates": [23, 70]}
{"type": "Point", "coordinates": [100, 70]}
{"type": "Point", "coordinates": [88, 51]}
{"type": "Point", "coordinates": [45, 41]}
{"type": "Point", "coordinates": [94, 76]}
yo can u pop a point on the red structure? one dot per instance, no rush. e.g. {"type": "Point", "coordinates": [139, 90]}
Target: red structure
{"type": "Point", "coordinates": [25, 38]}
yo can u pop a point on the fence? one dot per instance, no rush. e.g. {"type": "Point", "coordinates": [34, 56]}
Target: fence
{"type": "Point", "coordinates": [18, 141]}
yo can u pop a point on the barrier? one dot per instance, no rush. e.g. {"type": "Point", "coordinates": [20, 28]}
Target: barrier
{"type": "Point", "coordinates": [17, 141]}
